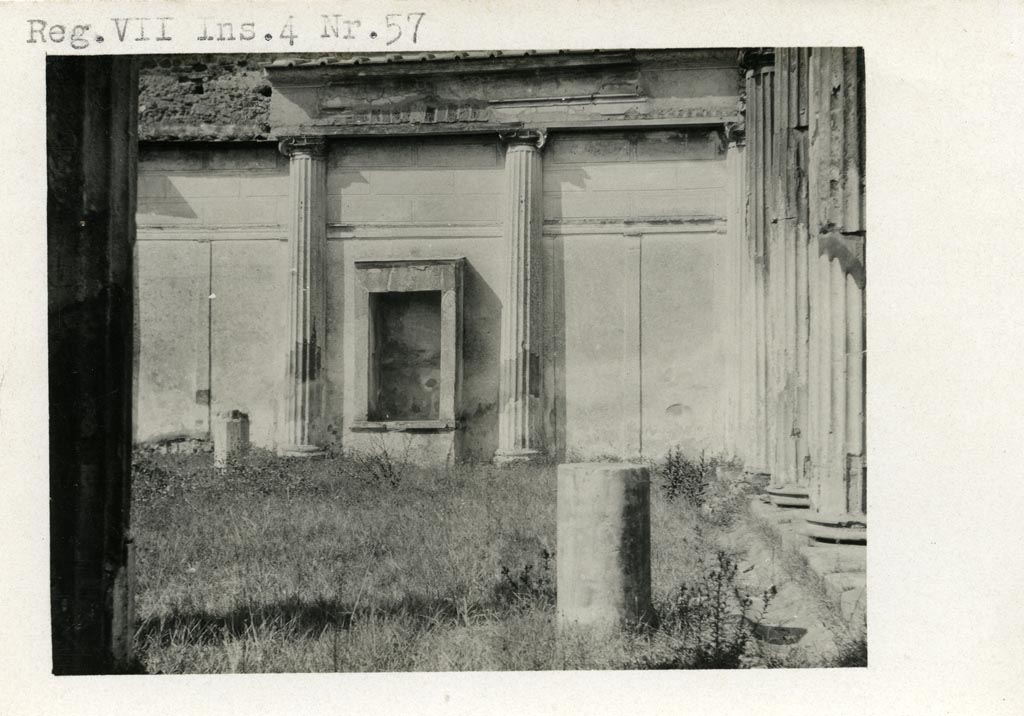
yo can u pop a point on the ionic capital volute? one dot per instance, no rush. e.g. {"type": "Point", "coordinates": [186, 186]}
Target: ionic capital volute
{"type": "Point", "coordinates": [757, 58]}
{"type": "Point", "coordinates": [735, 133]}
{"type": "Point", "coordinates": [524, 136]}
{"type": "Point", "coordinates": [303, 145]}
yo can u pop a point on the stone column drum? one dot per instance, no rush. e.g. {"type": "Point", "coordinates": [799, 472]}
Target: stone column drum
{"type": "Point", "coordinates": [835, 175]}
{"type": "Point", "coordinates": [760, 90]}
{"type": "Point", "coordinates": [789, 269]}
{"type": "Point", "coordinates": [519, 391]}
{"type": "Point", "coordinates": [230, 436]}
{"type": "Point", "coordinates": [604, 545]}
{"type": "Point", "coordinates": [307, 297]}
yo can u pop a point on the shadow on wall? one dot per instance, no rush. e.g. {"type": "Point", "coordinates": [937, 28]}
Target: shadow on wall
{"type": "Point", "coordinates": [555, 350]}
{"type": "Point", "coordinates": [481, 358]}
{"type": "Point", "coordinates": [174, 204]}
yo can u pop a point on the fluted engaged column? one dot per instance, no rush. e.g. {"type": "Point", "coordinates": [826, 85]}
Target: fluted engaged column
{"type": "Point", "coordinates": [837, 360]}
{"type": "Point", "coordinates": [519, 394]}
{"type": "Point", "coordinates": [307, 298]}
{"type": "Point", "coordinates": [738, 392]}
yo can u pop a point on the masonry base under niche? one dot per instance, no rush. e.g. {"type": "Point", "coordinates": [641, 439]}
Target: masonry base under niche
{"type": "Point", "coordinates": [403, 426]}
{"type": "Point", "coordinates": [509, 457]}
{"type": "Point", "coordinates": [302, 451]}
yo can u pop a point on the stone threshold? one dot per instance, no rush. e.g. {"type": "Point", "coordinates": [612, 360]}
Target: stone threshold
{"type": "Point", "coordinates": [839, 571]}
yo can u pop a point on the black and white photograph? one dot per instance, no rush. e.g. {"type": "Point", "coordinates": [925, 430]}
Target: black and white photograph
{"type": "Point", "coordinates": [464, 361]}
{"type": "Point", "coordinates": [367, 349]}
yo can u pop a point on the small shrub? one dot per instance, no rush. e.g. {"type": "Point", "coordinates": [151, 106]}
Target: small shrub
{"type": "Point", "coordinates": [724, 500]}
{"type": "Point", "coordinates": [531, 585]}
{"type": "Point", "coordinates": [709, 622]}
{"type": "Point", "coordinates": [380, 465]}
{"type": "Point", "coordinates": [684, 478]}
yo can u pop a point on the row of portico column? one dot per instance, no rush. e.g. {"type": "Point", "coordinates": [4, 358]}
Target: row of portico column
{"type": "Point", "coordinates": [800, 277]}
{"type": "Point", "coordinates": [520, 421]}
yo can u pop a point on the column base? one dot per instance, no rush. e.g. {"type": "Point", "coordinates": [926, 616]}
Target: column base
{"type": "Point", "coordinates": [837, 528]}
{"type": "Point", "coordinates": [301, 451]}
{"type": "Point", "coordinates": [788, 495]}
{"type": "Point", "coordinates": [757, 477]}
{"type": "Point", "coordinates": [509, 457]}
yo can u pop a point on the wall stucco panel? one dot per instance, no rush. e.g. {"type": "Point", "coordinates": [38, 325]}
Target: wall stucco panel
{"type": "Point", "coordinates": [172, 285]}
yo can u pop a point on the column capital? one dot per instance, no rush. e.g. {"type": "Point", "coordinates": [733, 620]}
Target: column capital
{"type": "Point", "coordinates": [757, 58]}
{"type": "Point", "coordinates": [735, 133]}
{"type": "Point", "coordinates": [307, 145]}
{"type": "Point", "coordinates": [524, 136]}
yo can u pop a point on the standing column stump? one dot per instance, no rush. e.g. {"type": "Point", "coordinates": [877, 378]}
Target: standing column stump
{"type": "Point", "coordinates": [230, 437]}
{"type": "Point", "coordinates": [604, 545]}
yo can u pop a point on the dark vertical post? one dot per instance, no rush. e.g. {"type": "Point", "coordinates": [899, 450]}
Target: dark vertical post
{"type": "Point", "coordinates": [91, 105]}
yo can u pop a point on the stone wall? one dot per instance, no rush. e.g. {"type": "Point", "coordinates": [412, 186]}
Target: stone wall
{"type": "Point", "coordinates": [632, 253]}
{"type": "Point", "coordinates": [210, 309]}
{"type": "Point", "coordinates": [204, 97]}
{"type": "Point", "coordinates": [636, 226]}
{"type": "Point", "coordinates": [404, 199]}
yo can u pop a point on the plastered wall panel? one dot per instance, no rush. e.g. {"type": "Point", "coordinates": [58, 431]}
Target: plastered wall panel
{"type": "Point", "coordinates": [170, 328]}
{"type": "Point", "coordinates": [592, 299]}
{"type": "Point", "coordinates": [247, 323]}
{"type": "Point", "coordinates": [681, 330]}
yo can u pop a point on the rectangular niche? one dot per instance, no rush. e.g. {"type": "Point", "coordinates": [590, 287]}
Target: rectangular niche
{"type": "Point", "coordinates": [405, 355]}
{"type": "Point", "coordinates": [408, 349]}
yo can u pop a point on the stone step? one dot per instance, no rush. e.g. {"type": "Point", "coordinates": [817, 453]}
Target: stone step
{"type": "Point", "coordinates": [840, 568]}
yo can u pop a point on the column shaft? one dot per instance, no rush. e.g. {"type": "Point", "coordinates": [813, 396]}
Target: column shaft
{"type": "Point", "coordinates": [789, 277]}
{"type": "Point", "coordinates": [519, 395]}
{"type": "Point", "coordinates": [837, 389]}
{"type": "Point", "coordinates": [759, 126]}
{"type": "Point", "coordinates": [307, 298]}
{"type": "Point", "coordinates": [738, 399]}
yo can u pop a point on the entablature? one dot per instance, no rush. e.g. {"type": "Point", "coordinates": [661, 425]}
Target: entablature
{"type": "Point", "coordinates": [629, 89]}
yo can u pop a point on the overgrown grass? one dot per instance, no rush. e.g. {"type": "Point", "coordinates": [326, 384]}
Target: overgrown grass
{"type": "Point", "coordinates": [301, 566]}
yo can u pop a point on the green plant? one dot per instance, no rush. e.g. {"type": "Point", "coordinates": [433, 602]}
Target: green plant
{"type": "Point", "coordinates": [151, 480]}
{"type": "Point", "coordinates": [709, 622]}
{"type": "Point", "coordinates": [530, 585]}
{"type": "Point", "coordinates": [277, 564]}
{"type": "Point", "coordinates": [684, 478]}
{"type": "Point", "coordinates": [853, 652]}
{"type": "Point", "coordinates": [725, 499]}
{"type": "Point", "coordinates": [380, 465]}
